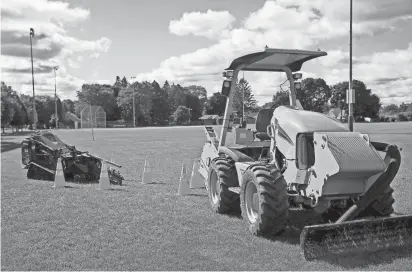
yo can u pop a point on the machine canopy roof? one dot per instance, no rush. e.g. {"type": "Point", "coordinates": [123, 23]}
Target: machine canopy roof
{"type": "Point", "coordinates": [271, 60]}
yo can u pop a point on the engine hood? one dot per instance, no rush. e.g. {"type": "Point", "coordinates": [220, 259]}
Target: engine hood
{"type": "Point", "coordinates": [50, 139]}
{"type": "Point", "coordinates": [294, 121]}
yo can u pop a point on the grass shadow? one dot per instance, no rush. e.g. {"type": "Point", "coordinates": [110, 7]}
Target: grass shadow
{"type": "Point", "coordinates": [131, 180]}
{"type": "Point", "coordinates": [365, 259]}
{"type": "Point", "coordinates": [9, 146]}
{"type": "Point", "coordinates": [68, 187]}
{"type": "Point", "coordinates": [117, 189]}
{"type": "Point", "coordinates": [19, 133]}
{"type": "Point", "coordinates": [134, 183]}
{"type": "Point", "coordinates": [296, 221]}
{"type": "Point", "coordinates": [289, 236]}
{"type": "Point", "coordinates": [154, 183]}
{"type": "Point", "coordinates": [299, 219]}
{"type": "Point", "coordinates": [194, 194]}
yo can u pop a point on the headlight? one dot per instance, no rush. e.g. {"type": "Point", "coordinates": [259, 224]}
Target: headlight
{"type": "Point", "coordinates": [305, 153]}
{"type": "Point", "coordinates": [229, 73]}
{"type": "Point", "coordinates": [226, 87]}
{"type": "Point", "coordinates": [297, 76]}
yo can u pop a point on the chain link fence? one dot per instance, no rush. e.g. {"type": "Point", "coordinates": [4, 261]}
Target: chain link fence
{"type": "Point", "coordinates": [93, 116]}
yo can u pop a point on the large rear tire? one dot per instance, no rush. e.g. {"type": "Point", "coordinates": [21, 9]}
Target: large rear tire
{"type": "Point", "coordinates": [222, 175]}
{"type": "Point", "coordinates": [264, 201]}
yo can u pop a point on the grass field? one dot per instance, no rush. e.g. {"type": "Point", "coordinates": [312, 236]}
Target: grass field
{"type": "Point", "coordinates": [148, 226]}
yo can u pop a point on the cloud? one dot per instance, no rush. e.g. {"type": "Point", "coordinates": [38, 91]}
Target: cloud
{"type": "Point", "coordinates": [40, 70]}
{"type": "Point", "coordinates": [46, 10]}
{"type": "Point", "coordinates": [53, 50]}
{"type": "Point", "coordinates": [387, 73]}
{"type": "Point", "coordinates": [280, 24]}
{"type": "Point", "coordinates": [388, 10]}
{"type": "Point", "coordinates": [73, 63]}
{"type": "Point", "coordinates": [211, 24]}
{"type": "Point", "coordinates": [94, 55]}
{"type": "Point", "coordinates": [102, 81]}
{"type": "Point", "coordinates": [52, 44]}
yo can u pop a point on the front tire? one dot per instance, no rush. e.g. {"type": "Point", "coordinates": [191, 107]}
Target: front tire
{"type": "Point", "coordinates": [222, 175]}
{"type": "Point", "coordinates": [264, 201]}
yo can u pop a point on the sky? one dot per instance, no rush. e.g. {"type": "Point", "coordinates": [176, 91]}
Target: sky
{"type": "Point", "coordinates": [192, 41]}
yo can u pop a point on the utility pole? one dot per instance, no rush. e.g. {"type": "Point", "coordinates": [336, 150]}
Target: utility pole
{"type": "Point", "coordinates": [243, 103]}
{"type": "Point", "coordinates": [91, 119]}
{"type": "Point", "coordinates": [351, 93]}
{"type": "Point", "coordinates": [55, 97]}
{"type": "Point", "coordinates": [32, 78]}
{"type": "Point", "coordinates": [134, 111]}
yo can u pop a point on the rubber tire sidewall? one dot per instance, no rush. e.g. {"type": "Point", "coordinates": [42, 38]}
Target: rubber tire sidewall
{"type": "Point", "coordinates": [228, 201]}
{"type": "Point", "coordinates": [272, 219]}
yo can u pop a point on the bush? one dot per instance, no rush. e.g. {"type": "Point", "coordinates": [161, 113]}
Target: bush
{"type": "Point", "coordinates": [410, 116]}
{"type": "Point", "coordinates": [359, 119]}
{"type": "Point", "coordinates": [384, 119]}
{"type": "Point", "coordinates": [402, 118]}
{"type": "Point", "coordinates": [181, 115]}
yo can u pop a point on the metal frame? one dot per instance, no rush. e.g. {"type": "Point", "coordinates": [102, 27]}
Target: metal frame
{"type": "Point", "coordinates": [244, 63]}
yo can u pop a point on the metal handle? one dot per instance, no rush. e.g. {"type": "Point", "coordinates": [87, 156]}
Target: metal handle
{"type": "Point", "coordinates": [268, 131]}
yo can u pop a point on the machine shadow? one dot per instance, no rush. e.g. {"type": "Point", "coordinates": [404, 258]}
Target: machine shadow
{"type": "Point", "coordinates": [299, 219]}
{"type": "Point", "coordinates": [117, 189]}
{"type": "Point", "coordinates": [18, 133]}
{"type": "Point", "coordinates": [365, 259]}
{"type": "Point", "coordinates": [197, 194]}
{"type": "Point", "coordinates": [9, 146]}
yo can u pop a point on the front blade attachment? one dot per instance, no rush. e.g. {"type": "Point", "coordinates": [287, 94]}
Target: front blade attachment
{"type": "Point", "coordinates": [356, 236]}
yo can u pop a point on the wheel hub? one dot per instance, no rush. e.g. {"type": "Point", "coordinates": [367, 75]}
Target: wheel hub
{"type": "Point", "coordinates": [251, 202]}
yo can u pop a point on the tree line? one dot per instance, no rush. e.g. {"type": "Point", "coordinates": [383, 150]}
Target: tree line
{"type": "Point", "coordinates": [317, 95]}
{"type": "Point", "coordinates": [175, 104]}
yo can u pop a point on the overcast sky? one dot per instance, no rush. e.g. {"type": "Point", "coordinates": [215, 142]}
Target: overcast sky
{"type": "Point", "coordinates": [192, 41]}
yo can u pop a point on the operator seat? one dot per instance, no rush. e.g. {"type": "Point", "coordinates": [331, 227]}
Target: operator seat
{"type": "Point", "coordinates": [262, 121]}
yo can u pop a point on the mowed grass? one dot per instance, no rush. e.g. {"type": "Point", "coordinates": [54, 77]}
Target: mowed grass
{"type": "Point", "coordinates": [148, 226]}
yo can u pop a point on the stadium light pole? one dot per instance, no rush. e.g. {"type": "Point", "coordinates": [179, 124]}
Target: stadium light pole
{"type": "Point", "coordinates": [55, 96]}
{"type": "Point", "coordinates": [351, 93]}
{"type": "Point", "coordinates": [134, 111]}
{"type": "Point", "coordinates": [190, 113]}
{"type": "Point", "coordinates": [243, 99]}
{"type": "Point", "coordinates": [91, 119]}
{"type": "Point", "coordinates": [32, 79]}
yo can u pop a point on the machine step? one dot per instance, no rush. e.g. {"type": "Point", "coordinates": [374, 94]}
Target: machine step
{"type": "Point", "coordinates": [235, 189]}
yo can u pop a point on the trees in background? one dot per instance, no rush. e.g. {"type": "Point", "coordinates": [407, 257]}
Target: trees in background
{"type": "Point", "coordinates": [98, 95]}
{"type": "Point", "coordinates": [159, 105]}
{"type": "Point", "coordinates": [314, 94]}
{"type": "Point", "coordinates": [216, 104]}
{"type": "Point", "coordinates": [181, 115]}
{"type": "Point", "coordinates": [243, 95]}
{"type": "Point", "coordinates": [393, 108]}
{"type": "Point", "coordinates": [281, 98]}
{"type": "Point", "coordinates": [13, 110]}
{"type": "Point", "coordinates": [367, 104]}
